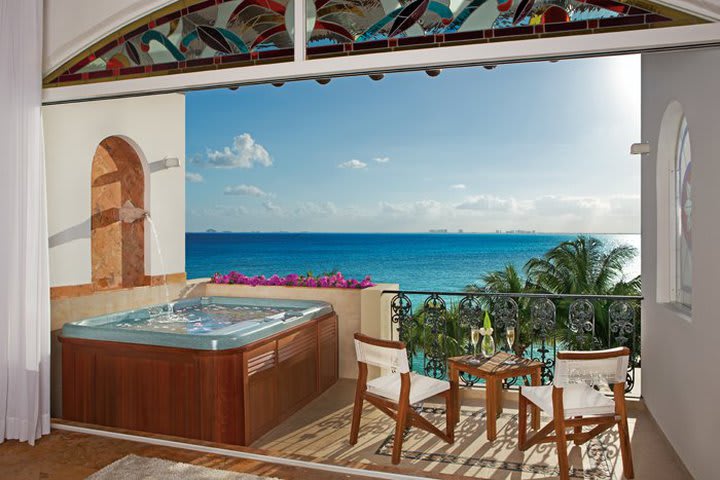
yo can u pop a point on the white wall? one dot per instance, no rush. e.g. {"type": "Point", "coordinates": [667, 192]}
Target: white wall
{"type": "Point", "coordinates": [156, 126]}
{"type": "Point", "coordinates": [681, 354]}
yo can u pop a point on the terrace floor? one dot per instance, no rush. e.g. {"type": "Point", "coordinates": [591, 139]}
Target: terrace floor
{"type": "Point", "coordinates": [65, 455]}
{"type": "Point", "coordinates": [320, 431]}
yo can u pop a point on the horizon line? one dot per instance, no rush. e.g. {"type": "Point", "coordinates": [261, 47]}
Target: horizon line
{"type": "Point", "coordinates": [408, 233]}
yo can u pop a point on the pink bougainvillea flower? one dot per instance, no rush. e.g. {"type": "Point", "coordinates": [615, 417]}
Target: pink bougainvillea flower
{"type": "Point", "coordinates": [293, 279]}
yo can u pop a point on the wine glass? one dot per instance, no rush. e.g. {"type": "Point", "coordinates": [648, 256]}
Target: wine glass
{"type": "Point", "coordinates": [510, 338]}
{"type": "Point", "coordinates": [474, 339]}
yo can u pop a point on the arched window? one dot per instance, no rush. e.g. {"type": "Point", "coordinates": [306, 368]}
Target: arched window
{"type": "Point", "coordinates": [682, 291]}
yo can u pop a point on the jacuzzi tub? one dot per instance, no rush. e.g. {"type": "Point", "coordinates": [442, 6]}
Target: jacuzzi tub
{"type": "Point", "coordinates": [207, 323]}
{"type": "Point", "coordinates": [218, 369]}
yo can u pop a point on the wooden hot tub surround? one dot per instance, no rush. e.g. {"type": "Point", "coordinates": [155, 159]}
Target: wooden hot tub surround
{"type": "Point", "coordinates": [229, 396]}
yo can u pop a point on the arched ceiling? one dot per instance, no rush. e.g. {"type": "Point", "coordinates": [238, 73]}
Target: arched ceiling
{"type": "Point", "coordinates": [74, 25]}
{"type": "Point", "coordinates": [77, 31]}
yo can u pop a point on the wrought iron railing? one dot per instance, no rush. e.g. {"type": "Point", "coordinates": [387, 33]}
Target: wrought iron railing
{"type": "Point", "coordinates": [436, 326]}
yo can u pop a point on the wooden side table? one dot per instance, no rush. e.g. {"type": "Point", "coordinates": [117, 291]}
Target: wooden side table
{"type": "Point", "coordinates": [493, 370]}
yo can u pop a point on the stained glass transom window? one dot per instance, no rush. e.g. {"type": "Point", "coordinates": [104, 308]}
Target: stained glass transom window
{"type": "Point", "coordinates": [192, 35]}
{"type": "Point", "coordinates": [354, 26]}
{"type": "Point", "coordinates": [207, 34]}
{"type": "Point", "coordinates": [683, 217]}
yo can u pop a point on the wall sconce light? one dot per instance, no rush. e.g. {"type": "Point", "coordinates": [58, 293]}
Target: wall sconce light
{"type": "Point", "coordinates": [171, 162]}
{"type": "Point", "coordinates": [639, 148]}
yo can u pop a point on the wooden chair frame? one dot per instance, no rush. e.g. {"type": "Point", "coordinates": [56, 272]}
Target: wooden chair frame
{"type": "Point", "coordinates": [401, 412]}
{"type": "Point", "coordinates": [560, 424]}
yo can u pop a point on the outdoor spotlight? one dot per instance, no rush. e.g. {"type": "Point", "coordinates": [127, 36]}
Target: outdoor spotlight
{"type": "Point", "coordinates": [323, 81]}
{"type": "Point", "coordinates": [377, 76]}
{"type": "Point", "coordinates": [171, 162]}
{"type": "Point", "coordinates": [278, 84]}
{"type": "Point", "coordinates": [639, 148]}
{"type": "Point", "coordinates": [489, 67]}
{"type": "Point", "coordinates": [434, 72]}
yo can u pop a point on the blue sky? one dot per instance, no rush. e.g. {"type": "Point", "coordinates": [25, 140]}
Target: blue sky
{"type": "Point", "coordinates": [540, 146]}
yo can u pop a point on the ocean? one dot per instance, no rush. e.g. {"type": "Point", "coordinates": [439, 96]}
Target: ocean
{"type": "Point", "coordinates": [417, 261]}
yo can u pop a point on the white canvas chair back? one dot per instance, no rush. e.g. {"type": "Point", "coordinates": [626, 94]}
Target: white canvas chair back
{"type": "Point", "coordinates": [393, 359]}
{"type": "Point", "coordinates": [591, 371]}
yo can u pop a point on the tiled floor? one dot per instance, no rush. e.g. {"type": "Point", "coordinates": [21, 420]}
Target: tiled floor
{"type": "Point", "coordinates": [321, 431]}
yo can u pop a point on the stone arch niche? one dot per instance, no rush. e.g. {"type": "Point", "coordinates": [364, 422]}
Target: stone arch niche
{"type": "Point", "coordinates": [118, 247]}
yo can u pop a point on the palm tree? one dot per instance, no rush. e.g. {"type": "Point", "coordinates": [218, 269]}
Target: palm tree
{"type": "Point", "coordinates": [508, 280]}
{"type": "Point", "coordinates": [583, 266]}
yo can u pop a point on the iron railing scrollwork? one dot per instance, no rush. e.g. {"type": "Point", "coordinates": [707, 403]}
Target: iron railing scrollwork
{"type": "Point", "coordinates": [504, 311]}
{"type": "Point", "coordinates": [470, 315]}
{"type": "Point", "coordinates": [543, 318]}
{"type": "Point", "coordinates": [623, 331]}
{"type": "Point", "coordinates": [435, 358]}
{"type": "Point", "coordinates": [581, 323]}
{"type": "Point", "coordinates": [543, 323]}
{"type": "Point", "coordinates": [401, 319]}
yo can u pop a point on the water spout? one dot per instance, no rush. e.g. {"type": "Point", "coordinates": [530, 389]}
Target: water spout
{"type": "Point", "coordinates": [162, 265]}
{"type": "Point", "coordinates": [129, 213]}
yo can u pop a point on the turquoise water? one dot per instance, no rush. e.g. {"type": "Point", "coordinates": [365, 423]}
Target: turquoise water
{"type": "Point", "coordinates": [417, 261]}
{"type": "Point", "coordinates": [207, 323]}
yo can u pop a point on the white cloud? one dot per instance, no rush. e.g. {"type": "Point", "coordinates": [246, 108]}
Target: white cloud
{"type": "Point", "coordinates": [193, 177]}
{"type": "Point", "coordinates": [353, 164]}
{"type": "Point", "coordinates": [550, 213]}
{"type": "Point", "coordinates": [315, 209]}
{"type": "Point", "coordinates": [488, 203]}
{"type": "Point", "coordinates": [248, 190]}
{"type": "Point", "coordinates": [418, 208]}
{"type": "Point", "coordinates": [244, 153]}
{"type": "Point", "coordinates": [458, 186]}
{"type": "Point", "coordinates": [196, 159]}
{"type": "Point", "coordinates": [219, 211]}
{"type": "Point", "coordinates": [272, 208]}
{"type": "Point", "coordinates": [625, 205]}
{"type": "Point", "coordinates": [569, 205]}
{"type": "Point", "coordinates": [382, 159]}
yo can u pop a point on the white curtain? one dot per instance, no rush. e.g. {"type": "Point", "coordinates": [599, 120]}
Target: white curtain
{"type": "Point", "coordinates": [24, 276]}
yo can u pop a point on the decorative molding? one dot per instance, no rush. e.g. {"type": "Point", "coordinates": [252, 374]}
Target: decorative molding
{"type": "Point", "coordinates": [155, 280]}
{"type": "Point", "coordinates": [72, 291]}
